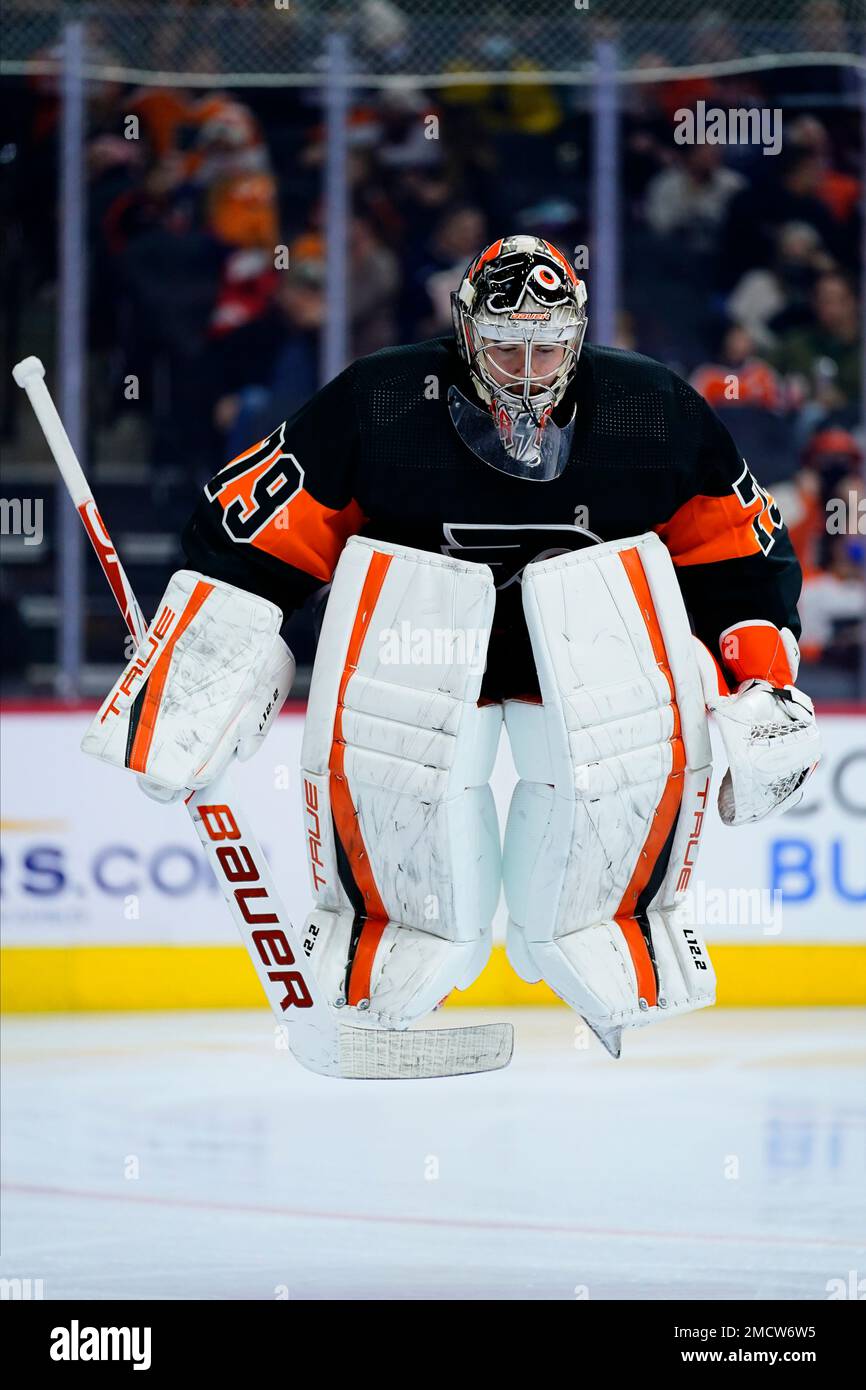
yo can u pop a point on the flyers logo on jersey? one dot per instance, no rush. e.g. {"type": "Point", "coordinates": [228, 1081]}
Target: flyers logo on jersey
{"type": "Point", "coordinates": [255, 486]}
{"type": "Point", "coordinates": [509, 549]}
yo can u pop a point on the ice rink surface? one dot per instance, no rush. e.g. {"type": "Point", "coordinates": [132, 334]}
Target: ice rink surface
{"type": "Point", "coordinates": [185, 1156]}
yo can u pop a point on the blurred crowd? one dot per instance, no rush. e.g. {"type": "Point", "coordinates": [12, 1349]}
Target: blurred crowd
{"type": "Point", "coordinates": [740, 270]}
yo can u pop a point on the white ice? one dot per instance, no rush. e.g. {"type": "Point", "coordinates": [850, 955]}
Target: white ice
{"type": "Point", "coordinates": [185, 1156]}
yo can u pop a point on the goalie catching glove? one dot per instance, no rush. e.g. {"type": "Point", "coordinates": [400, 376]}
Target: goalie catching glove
{"type": "Point", "coordinates": [767, 726]}
{"type": "Point", "coordinates": [207, 681]}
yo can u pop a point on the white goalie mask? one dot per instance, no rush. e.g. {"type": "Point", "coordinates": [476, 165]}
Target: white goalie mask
{"type": "Point", "coordinates": [520, 319]}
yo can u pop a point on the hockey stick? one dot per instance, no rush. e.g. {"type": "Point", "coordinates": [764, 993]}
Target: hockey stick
{"type": "Point", "coordinates": [316, 1037]}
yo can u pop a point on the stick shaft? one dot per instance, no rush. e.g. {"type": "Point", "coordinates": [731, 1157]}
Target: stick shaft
{"type": "Point", "coordinates": [79, 490]}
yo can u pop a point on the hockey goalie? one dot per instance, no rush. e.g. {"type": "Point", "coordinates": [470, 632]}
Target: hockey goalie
{"type": "Point", "coordinates": [517, 530]}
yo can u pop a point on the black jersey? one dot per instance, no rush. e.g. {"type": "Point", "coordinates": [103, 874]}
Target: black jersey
{"type": "Point", "coordinates": [374, 452]}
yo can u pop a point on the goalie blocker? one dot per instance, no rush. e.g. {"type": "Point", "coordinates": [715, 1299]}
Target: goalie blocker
{"type": "Point", "coordinates": [206, 682]}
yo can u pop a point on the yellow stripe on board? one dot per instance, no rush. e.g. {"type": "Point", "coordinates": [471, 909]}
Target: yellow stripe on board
{"type": "Point", "coordinates": [754, 976]}
{"type": "Point", "coordinates": [56, 979]}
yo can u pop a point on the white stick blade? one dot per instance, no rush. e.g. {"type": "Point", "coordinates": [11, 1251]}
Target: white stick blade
{"type": "Point", "coordinates": [368, 1054]}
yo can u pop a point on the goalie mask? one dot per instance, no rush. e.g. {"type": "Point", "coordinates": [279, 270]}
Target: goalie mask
{"type": "Point", "coordinates": [520, 317]}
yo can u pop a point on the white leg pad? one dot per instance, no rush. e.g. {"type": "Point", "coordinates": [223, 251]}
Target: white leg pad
{"type": "Point", "coordinates": [614, 768]}
{"type": "Point", "coordinates": [396, 757]}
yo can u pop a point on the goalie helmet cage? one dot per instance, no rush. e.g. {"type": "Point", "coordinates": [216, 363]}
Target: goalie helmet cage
{"type": "Point", "coordinates": [595, 52]}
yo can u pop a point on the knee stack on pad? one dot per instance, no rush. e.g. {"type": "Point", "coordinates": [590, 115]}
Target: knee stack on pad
{"type": "Point", "coordinates": [401, 825]}
{"type": "Point", "coordinates": [615, 769]}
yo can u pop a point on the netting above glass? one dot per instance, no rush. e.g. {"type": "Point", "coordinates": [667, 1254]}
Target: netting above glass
{"type": "Point", "coordinates": [437, 42]}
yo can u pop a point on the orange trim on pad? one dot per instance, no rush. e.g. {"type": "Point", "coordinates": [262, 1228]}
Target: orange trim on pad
{"type": "Point", "coordinates": [342, 805]}
{"type": "Point", "coordinates": [158, 676]}
{"type": "Point", "coordinates": [665, 813]}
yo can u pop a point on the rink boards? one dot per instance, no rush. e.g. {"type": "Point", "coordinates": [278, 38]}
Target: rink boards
{"type": "Point", "coordinates": [108, 903]}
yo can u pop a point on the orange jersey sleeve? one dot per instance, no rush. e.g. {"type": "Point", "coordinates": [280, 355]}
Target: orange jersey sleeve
{"type": "Point", "coordinates": [728, 540]}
